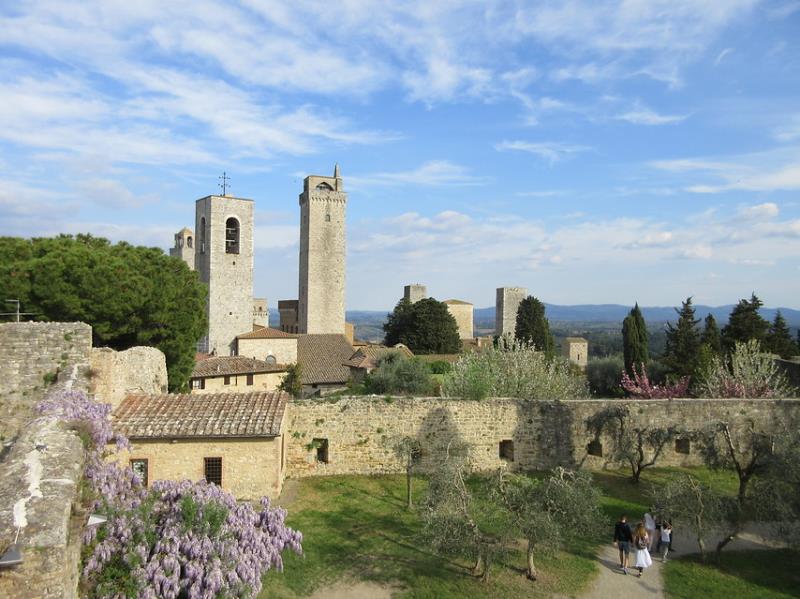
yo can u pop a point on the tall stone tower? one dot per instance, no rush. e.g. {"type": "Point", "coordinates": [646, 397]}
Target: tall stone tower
{"type": "Point", "coordinates": [506, 306]}
{"type": "Point", "coordinates": [414, 293]}
{"type": "Point", "coordinates": [224, 259]}
{"type": "Point", "coordinates": [322, 255]}
{"type": "Point", "coordinates": [184, 247]}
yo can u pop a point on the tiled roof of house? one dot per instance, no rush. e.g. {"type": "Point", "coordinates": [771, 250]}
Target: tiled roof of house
{"type": "Point", "coordinates": [227, 365]}
{"type": "Point", "coordinates": [267, 333]}
{"type": "Point", "coordinates": [452, 358]}
{"type": "Point", "coordinates": [322, 358]}
{"type": "Point", "coordinates": [367, 356]}
{"type": "Point", "coordinates": [142, 416]}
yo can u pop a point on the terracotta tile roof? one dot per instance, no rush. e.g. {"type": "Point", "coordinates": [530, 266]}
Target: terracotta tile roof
{"type": "Point", "coordinates": [368, 355]}
{"type": "Point", "coordinates": [199, 356]}
{"type": "Point", "coordinates": [322, 358]}
{"type": "Point", "coordinates": [225, 365]}
{"type": "Point", "coordinates": [142, 416]}
{"type": "Point", "coordinates": [267, 333]}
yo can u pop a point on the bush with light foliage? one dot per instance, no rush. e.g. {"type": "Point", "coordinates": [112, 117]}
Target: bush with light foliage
{"type": "Point", "coordinates": [513, 369]}
{"type": "Point", "coordinates": [748, 372]}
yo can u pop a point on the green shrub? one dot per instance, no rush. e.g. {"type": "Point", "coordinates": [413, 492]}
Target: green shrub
{"type": "Point", "coordinates": [440, 367]}
{"type": "Point", "coordinates": [396, 374]}
{"type": "Point", "coordinates": [516, 370]}
{"type": "Point", "coordinates": [603, 375]}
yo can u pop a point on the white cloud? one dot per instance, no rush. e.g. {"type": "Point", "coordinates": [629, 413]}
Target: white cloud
{"type": "Point", "coordinates": [641, 115]}
{"type": "Point", "coordinates": [759, 212]}
{"type": "Point", "coordinates": [722, 55]}
{"type": "Point", "coordinates": [551, 151]}
{"type": "Point", "coordinates": [433, 173]}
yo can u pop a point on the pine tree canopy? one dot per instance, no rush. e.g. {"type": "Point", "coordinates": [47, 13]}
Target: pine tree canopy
{"type": "Point", "coordinates": [426, 327]}
{"type": "Point", "coordinates": [683, 342]}
{"type": "Point", "coordinates": [779, 339]}
{"type": "Point", "coordinates": [745, 323]}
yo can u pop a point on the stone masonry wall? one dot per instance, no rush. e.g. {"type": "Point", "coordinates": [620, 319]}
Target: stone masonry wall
{"type": "Point", "coordinates": [114, 374]}
{"type": "Point", "coordinates": [360, 431]}
{"type": "Point", "coordinates": [506, 306]}
{"type": "Point", "coordinates": [32, 356]}
{"type": "Point", "coordinates": [463, 313]}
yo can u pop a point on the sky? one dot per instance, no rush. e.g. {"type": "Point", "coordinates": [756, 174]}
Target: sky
{"type": "Point", "coordinates": [593, 152]}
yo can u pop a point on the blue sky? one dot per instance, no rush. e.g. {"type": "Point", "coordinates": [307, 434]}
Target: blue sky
{"type": "Point", "coordinates": [593, 152]}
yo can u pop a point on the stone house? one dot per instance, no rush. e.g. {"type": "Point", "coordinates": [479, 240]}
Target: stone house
{"type": "Point", "coordinates": [463, 313]}
{"type": "Point", "coordinates": [322, 362]}
{"type": "Point", "coordinates": [576, 350]}
{"type": "Point", "coordinates": [235, 440]}
{"type": "Point", "coordinates": [271, 345]}
{"type": "Point", "coordinates": [235, 374]}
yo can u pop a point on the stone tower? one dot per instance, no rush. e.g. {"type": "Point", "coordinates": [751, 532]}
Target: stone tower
{"type": "Point", "coordinates": [322, 255]}
{"type": "Point", "coordinates": [184, 247]}
{"type": "Point", "coordinates": [224, 259]}
{"type": "Point", "coordinates": [414, 293]}
{"type": "Point", "coordinates": [505, 312]}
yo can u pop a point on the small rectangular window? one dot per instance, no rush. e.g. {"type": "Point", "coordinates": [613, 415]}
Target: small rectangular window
{"type": "Point", "coordinates": [683, 446]}
{"type": "Point", "coordinates": [507, 450]}
{"type": "Point", "coordinates": [321, 448]}
{"type": "Point", "coordinates": [595, 448]}
{"type": "Point", "coordinates": [212, 470]}
{"type": "Point", "coordinates": [198, 383]}
{"type": "Point", "coordinates": [327, 218]}
{"type": "Point", "coordinates": [249, 379]}
{"type": "Point", "coordinates": [139, 467]}
{"type": "Point", "coordinates": [226, 380]}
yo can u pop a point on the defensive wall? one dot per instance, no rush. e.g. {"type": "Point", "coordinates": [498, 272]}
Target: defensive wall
{"type": "Point", "coordinates": [359, 432]}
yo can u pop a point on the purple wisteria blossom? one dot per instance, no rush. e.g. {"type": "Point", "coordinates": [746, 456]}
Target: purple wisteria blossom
{"type": "Point", "coordinates": [176, 539]}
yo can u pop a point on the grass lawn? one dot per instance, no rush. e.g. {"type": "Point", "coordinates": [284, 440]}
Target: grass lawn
{"type": "Point", "coordinates": [357, 527]}
{"type": "Point", "coordinates": [761, 574]}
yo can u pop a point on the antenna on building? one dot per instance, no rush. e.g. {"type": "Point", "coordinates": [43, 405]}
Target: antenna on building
{"type": "Point", "coordinates": [224, 183]}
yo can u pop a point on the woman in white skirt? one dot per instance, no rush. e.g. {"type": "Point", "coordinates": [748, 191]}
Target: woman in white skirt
{"type": "Point", "coordinates": [641, 541]}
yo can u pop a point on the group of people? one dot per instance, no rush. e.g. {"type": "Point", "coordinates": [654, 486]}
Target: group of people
{"type": "Point", "coordinates": [649, 536]}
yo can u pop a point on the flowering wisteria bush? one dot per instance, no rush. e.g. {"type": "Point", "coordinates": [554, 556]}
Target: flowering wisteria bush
{"type": "Point", "coordinates": [640, 386]}
{"type": "Point", "coordinates": [176, 539]}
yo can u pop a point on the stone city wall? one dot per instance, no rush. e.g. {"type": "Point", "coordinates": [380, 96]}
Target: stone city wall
{"type": "Point", "coordinates": [33, 355]}
{"type": "Point", "coordinates": [114, 374]}
{"type": "Point", "coordinates": [360, 431]}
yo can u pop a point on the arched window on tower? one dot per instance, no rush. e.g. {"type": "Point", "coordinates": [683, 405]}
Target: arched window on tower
{"type": "Point", "coordinates": [189, 241]}
{"type": "Point", "coordinates": [202, 234]}
{"type": "Point", "coordinates": [324, 187]}
{"type": "Point", "coordinates": [231, 236]}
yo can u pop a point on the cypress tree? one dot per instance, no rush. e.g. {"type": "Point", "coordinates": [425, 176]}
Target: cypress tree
{"type": "Point", "coordinates": [745, 323]}
{"type": "Point", "coordinates": [532, 325]}
{"type": "Point", "coordinates": [779, 339]}
{"type": "Point", "coordinates": [634, 340]}
{"type": "Point", "coordinates": [683, 342]}
{"type": "Point", "coordinates": [711, 335]}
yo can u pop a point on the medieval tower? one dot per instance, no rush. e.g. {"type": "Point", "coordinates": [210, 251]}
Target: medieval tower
{"type": "Point", "coordinates": [505, 312]}
{"type": "Point", "coordinates": [414, 293]}
{"type": "Point", "coordinates": [224, 259]}
{"type": "Point", "coordinates": [184, 247]}
{"type": "Point", "coordinates": [322, 255]}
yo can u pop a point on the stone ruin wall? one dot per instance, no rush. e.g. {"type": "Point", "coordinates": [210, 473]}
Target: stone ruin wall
{"type": "Point", "coordinates": [545, 434]}
{"type": "Point", "coordinates": [41, 462]}
{"type": "Point", "coordinates": [32, 355]}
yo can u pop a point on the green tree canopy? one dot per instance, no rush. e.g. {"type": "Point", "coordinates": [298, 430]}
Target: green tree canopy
{"type": "Point", "coordinates": [683, 342]}
{"type": "Point", "coordinates": [426, 327]}
{"type": "Point", "coordinates": [533, 326]}
{"type": "Point", "coordinates": [711, 335]}
{"type": "Point", "coordinates": [779, 339]}
{"type": "Point", "coordinates": [129, 295]}
{"type": "Point", "coordinates": [634, 340]}
{"type": "Point", "coordinates": [745, 323]}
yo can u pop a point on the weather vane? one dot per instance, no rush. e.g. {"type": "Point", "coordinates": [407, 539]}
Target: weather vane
{"type": "Point", "coordinates": [224, 183]}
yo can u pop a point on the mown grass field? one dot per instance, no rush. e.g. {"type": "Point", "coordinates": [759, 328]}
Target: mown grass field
{"type": "Point", "coordinates": [357, 528]}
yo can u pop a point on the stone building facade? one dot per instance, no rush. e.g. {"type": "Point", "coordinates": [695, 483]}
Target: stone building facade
{"type": "Point", "coordinates": [271, 345]}
{"type": "Point", "coordinates": [322, 255]}
{"type": "Point", "coordinates": [224, 259]}
{"type": "Point", "coordinates": [506, 306]}
{"type": "Point", "coordinates": [463, 313]}
{"type": "Point", "coordinates": [115, 374]}
{"type": "Point", "coordinates": [288, 316]}
{"type": "Point", "coordinates": [576, 350]}
{"type": "Point", "coordinates": [414, 293]}
{"type": "Point", "coordinates": [260, 312]}
{"type": "Point", "coordinates": [184, 247]}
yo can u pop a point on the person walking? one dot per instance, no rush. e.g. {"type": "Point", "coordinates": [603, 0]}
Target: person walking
{"type": "Point", "coordinates": [650, 526]}
{"type": "Point", "coordinates": [666, 539]}
{"type": "Point", "coordinates": [623, 538]}
{"type": "Point", "coordinates": [641, 542]}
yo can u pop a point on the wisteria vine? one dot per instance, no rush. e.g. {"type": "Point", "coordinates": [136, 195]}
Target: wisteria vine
{"type": "Point", "coordinates": [175, 539]}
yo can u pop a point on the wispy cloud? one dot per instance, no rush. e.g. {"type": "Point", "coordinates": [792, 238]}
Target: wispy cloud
{"type": "Point", "coordinates": [641, 115]}
{"type": "Point", "coordinates": [722, 55]}
{"type": "Point", "coordinates": [432, 173]}
{"type": "Point", "coordinates": [550, 151]}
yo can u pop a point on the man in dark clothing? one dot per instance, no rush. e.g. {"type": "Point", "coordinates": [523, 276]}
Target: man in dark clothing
{"type": "Point", "coordinates": [623, 537]}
